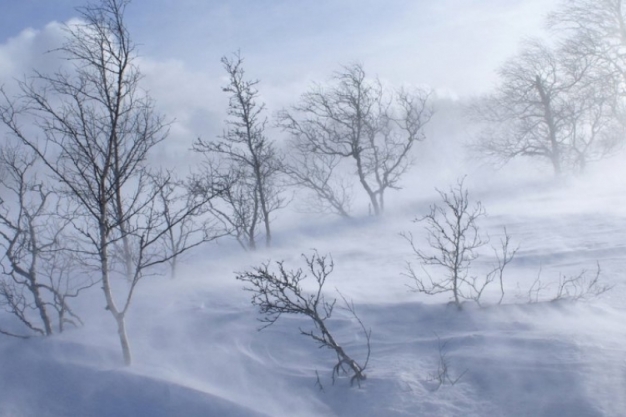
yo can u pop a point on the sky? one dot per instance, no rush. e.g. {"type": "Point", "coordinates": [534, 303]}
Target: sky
{"type": "Point", "coordinates": [450, 46]}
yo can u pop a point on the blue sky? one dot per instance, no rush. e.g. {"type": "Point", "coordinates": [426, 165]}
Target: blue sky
{"type": "Point", "coordinates": [451, 46]}
{"type": "Point", "coordinates": [20, 14]}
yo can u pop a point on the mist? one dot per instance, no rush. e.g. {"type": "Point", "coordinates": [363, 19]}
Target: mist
{"type": "Point", "coordinates": [532, 328]}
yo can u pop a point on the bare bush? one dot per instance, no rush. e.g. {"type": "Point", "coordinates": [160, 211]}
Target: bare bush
{"type": "Point", "coordinates": [443, 375]}
{"type": "Point", "coordinates": [580, 287]}
{"type": "Point", "coordinates": [454, 237]}
{"type": "Point", "coordinates": [281, 293]}
{"type": "Point", "coordinates": [504, 256]}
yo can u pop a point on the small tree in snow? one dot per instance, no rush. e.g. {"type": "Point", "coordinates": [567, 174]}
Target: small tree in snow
{"type": "Point", "coordinates": [282, 293]}
{"type": "Point", "coordinates": [246, 159]}
{"type": "Point", "coordinates": [454, 237]}
{"type": "Point", "coordinates": [580, 287]}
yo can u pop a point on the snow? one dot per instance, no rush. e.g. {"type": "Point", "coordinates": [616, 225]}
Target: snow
{"type": "Point", "coordinates": [198, 351]}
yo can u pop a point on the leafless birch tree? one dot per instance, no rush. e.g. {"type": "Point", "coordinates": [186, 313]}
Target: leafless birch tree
{"type": "Point", "coordinates": [37, 264]}
{"type": "Point", "coordinates": [247, 159]}
{"type": "Point", "coordinates": [96, 128]}
{"type": "Point", "coordinates": [184, 229]}
{"type": "Point", "coordinates": [330, 191]}
{"type": "Point", "coordinates": [355, 119]}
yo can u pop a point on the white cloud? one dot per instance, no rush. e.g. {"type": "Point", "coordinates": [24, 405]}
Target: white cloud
{"type": "Point", "coordinates": [452, 46]}
{"type": "Point", "coordinates": [31, 49]}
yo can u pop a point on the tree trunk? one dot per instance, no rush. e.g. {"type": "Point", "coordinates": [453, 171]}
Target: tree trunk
{"type": "Point", "coordinates": [366, 187]}
{"type": "Point", "coordinates": [126, 252]}
{"type": "Point", "coordinates": [41, 307]}
{"type": "Point", "coordinates": [555, 152]}
{"type": "Point", "coordinates": [262, 200]}
{"type": "Point", "coordinates": [121, 331]}
{"type": "Point", "coordinates": [341, 354]}
{"type": "Point", "coordinates": [106, 288]}
{"type": "Point", "coordinates": [173, 265]}
{"type": "Point", "coordinates": [32, 277]}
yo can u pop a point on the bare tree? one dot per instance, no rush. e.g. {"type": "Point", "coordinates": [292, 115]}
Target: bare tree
{"type": "Point", "coordinates": [594, 32]}
{"type": "Point", "coordinates": [247, 157]}
{"type": "Point", "coordinates": [355, 119]}
{"type": "Point", "coordinates": [454, 236]}
{"type": "Point", "coordinates": [330, 192]}
{"type": "Point", "coordinates": [526, 116]}
{"type": "Point", "coordinates": [98, 128]}
{"type": "Point", "coordinates": [184, 229]}
{"type": "Point", "coordinates": [548, 106]}
{"type": "Point", "coordinates": [36, 265]}
{"type": "Point", "coordinates": [595, 128]}
{"type": "Point", "coordinates": [281, 293]}
{"type": "Point", "coordinates": [595, 29]}
{"type": "Point", "coordinates": [504, 255]}
{"type": "Point", "coordinates": [236, 208]}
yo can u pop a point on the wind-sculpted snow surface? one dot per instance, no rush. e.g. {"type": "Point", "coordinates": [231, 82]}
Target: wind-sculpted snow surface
{"type": "Point", "coordinates": [37, 384]}
{"type": "Point", "coordinates": [198, 351]}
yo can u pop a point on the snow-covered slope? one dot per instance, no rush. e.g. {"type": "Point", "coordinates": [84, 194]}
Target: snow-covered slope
{"type": "Point", "coordinates": [198, 351]}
